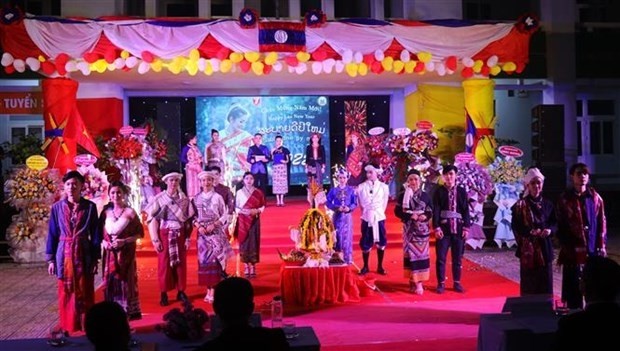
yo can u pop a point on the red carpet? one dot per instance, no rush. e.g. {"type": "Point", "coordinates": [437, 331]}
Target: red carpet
{"type": "Point", "coordinates": [387, 318]}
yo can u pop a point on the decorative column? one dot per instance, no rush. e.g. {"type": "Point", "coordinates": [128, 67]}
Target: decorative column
{"type": "Point", "coordinates": [480, 119]}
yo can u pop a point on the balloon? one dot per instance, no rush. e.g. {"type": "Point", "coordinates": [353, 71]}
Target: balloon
{"type": "Point", "coordinates": [328, 67]}
{"type": "Point", "coordinates": [317, 67]}
{"type": "Point", "coordinates": [143, 67]}
{"type": "Point", "coordinates": [467, 72]}
{"type": "Point", "coordinates": [131, 62]}
{"type": "Point", "coordinates": [376, 67]}
{"type": "Point", "coordinates": [7, 59]}
{"type": "Point", "coordinates": [369, 59]}
{"type": "Point", "coordinates": [110, 67]}
{"type": "Point", "coordinates": [387, 63]}
{"type": "Point", "coordinates": [492, 61]}
{"type": "Point", "coordinates": [398, 66]}
{"type": "Point", "coordinates": [71, 66]}
{"type": "Point", "coordinates": [62, 58]}
{"type": "Point", "coordinates": [100, 66]}
{"type": "Point", "coordinates": [125, 54]}
{"type": "Point", "coordinates": [291, 61]}
{"type": "Point", "coordinates": [215, 64]}
{"type": "Point", "coordinates": [419, 67]}
{"type": "Point", "coordinates": [110, 55]}
{"type": "Point", "coordinates": [257, 68]}
{"type": "Point", "coordinates": [201, 63]}
{"type": "Point", "coordinates": [191, 67]}
{"type": "Point", "coordinates": [430, 66]}
{"type": "Point", "coordinates": [347, 56]}
{"type": "Point", "coordinates": [405, 56]}
{"type": "Point", "coordinates": [236, 57]}
{"type": "Point", "coordinates": [451, 63]}
{"type": "Point", "coordinates": [424, 56]}
{"type": "Point", "coordinates": [339, 66]}
{"type": "Point", "coordinates": [277, 66]}
{"type": "Point", "coordinates": [157, 65]}
{"type": "Point", "coordinates": [351, 69]}
{"type": "Point", "coordinates": [9, 69]}
{"type": "Point", "coordinates": [82, 66]}
{"type": "Point", "coordinates": [410, 66]}
{"type": "Point", "coordinates": [60, 67]}
{"type": "Point", "coordinates": [33, 63]}
{"type": "Point", "coordinates": [467, 62]}
{"type": "Point", "coordinates": [147, 56]}
{"type": "Point", "coordinates": [271, 58]}
{"type": "Point", "coordinates": [440, 69]}
{"type": "Point", "coordinates": [495, 70]}
{"type": "Point", "coordinates": [301, 68]}
{"type": "Point", "coordinates": [226, 66]}
{"type": "Point", "coordinates": [252, 56]}
{"type": "Point", "coordinates": [208, 69]}
{"type": "Point", "coordinates": [267, 69]}
{"type": "Point", "coordinates": [509, 67]}
{"type": "Point", "coordinates": [119, 63]}
{"type": "Point", "coordinates": [478, 66]}
{"type": "Point", "coordinates": [485, 70]}
{"type": "Point", "coordinates": [362, 69]}
{"type": "Point", "coordinates": [358, 57]}
{"type": "Point", "coordinates": [48, 68]}
{"type": "Point", "coordinates": [245, 65]}
{"type": "Point", "coordinates": [379, 55]}
{"type": "Point", "coordinates": [91, 57]}
{"type": "Point", "coordinates": [194, 55]}
{"type": "Point", "coordinates": [222, 53]}
{"type": "Point", "coordinates": [20, 65]}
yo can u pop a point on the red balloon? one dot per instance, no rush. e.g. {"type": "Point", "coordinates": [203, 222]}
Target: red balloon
{"type": "Point", "coordinates": [223, 53]}
{"type": "Point", "coordinates": [48, 67]}
{"type": "Point", "coordinates": [147, 56]}
{"type": "Point", "coordinates": [9, 69]}
{"type": "Point", "coordinates": [369, 59]}
{"type": "Point", "coordinates": [419, 67]}
{"type": "Point", "coordinates": [485, 70]}
{"type": "Point", "coordinates": [62, 59]}
{"type": "Point", "coordinates": [520, 67]}
{"type": "Point", "coordinates": [467, 72]}
{"type": "Point", "coordinates": [245, 65]}
{"type": "Point", "coordinates": [60, 67]}
{"type": "Point", "coordinates": [110, 55]}
{"type": "Point", "coordinates": [376, 67]}
{"type": "Point", "coordinates": [291, 61]}
{"type": "Point", "coordinates": [267, 69]}
{"type": "Point", "coordinates": [451, 63]}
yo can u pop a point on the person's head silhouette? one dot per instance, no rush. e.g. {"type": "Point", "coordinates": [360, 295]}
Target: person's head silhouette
{"type": "Point", "coordinates": [601, 279]}
{"type": "Point", "coordinates": [107, 327]}
{"type": "Point", "coordinates": [233, 300]}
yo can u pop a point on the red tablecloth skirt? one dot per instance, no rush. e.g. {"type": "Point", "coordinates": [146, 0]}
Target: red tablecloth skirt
{"type": "Point", "coordinates": [314, 286]}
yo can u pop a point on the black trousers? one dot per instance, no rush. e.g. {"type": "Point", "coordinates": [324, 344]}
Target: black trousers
{"type": "Point", "coordinates": [261, 181]}
{"type": "Point", "coordinates": [571, 293]}
{"type": "Point", "coordinates": [456, 244]}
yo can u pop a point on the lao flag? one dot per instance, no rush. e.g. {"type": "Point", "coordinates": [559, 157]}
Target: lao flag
{"type": "Point", "coordinates": [282, 36]}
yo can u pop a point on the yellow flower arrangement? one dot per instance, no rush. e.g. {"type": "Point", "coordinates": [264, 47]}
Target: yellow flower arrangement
{"type": "Point", "coordinates": [506, 170]}
{"type": "Point", "coordinates": [28, 185]}
{"type": "Point", "coordinates": [314, 225]}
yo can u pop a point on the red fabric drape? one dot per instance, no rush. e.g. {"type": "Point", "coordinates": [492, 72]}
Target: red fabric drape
{"type": "Point", "coordinates": [314, 286]}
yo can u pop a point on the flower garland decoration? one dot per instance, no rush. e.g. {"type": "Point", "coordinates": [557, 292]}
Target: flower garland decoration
{"type": "Point", "coordinates": [186, 324]}
{"type": "Point", "coordinates": [422, 140]}
{"type": "Point", "coordinates": [124, 147]}
{"type": "Point", "coordinates": [95, 182]}
{"type": "Point", "coordinates": [316, 226]}
{"type": "Point", "coordinates": [506, 170]}
{"type": "Point", "coordinates": [474, 178]}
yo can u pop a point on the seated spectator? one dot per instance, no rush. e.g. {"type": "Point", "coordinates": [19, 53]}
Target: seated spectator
{"type": "Point", "coordinates": [597, 326]}
{"type": "Point", "coordinates": [107, 327]}
{"type": "Point", "coordinates": [233, 303]}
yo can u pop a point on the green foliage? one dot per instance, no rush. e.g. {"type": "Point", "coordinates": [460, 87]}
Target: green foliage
{"type": "Point", "coordinates": [26, 146]}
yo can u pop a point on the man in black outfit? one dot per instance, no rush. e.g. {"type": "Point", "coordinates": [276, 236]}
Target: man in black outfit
{"type": "Point", "coordinates": [233, 303]}
{"type": "Point", "coordinates": [451, 219]}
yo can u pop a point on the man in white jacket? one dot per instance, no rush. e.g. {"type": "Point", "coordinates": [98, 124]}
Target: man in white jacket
{"type": "Point", "coordinates": [373, 198]}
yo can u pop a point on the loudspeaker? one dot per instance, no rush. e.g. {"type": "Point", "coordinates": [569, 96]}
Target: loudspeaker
{"type": "Point", "coordinates": [548, 133]}
{"type": "Point", "coordinates": [529, 305]}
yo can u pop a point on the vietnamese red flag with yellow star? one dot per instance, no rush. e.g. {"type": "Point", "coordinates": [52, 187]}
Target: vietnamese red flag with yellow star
{"type": "Point", "coordinates": [64, 127]}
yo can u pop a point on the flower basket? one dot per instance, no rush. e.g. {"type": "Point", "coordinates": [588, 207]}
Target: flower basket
{"type": "Point", "coordinates": [186, 324]}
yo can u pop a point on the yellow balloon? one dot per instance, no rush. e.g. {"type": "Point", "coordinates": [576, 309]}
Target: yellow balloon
{"type": "Point", "coordinates": [194, 55]}
{"type": "Point", "coordinates": [303, 56]}
{"type": "Point", "coordinates": [125, 54]}
{"type": "Point", "coordinates": [478, 66]}
{"type": "Point", "coordinates": [174, 67]}
{"type": "Point", "coordinates": [271, 58]}
{"type": "Point", "coordinates": [362, 69]}
{"type": "Point", "coordinates": [192, 67]}
{"type": "Point", "coordinates": [257, 67]}
{"type": "Point", "coordinates": [236, 57]}
{"type": "Point", "coordinates": [387, 63]}
{"type": "Point", "coordinates": [157, 65]}
{"type": "Point", "coordinates": [424, 56]}
{"type": "Point", "coordinates": [495, 70]}
{"type": "Point", "coordinates": [100, 66]}
{"type": "Point", "coordinates": [252, 56]}
{"type": "Point", "coordinates": [410, 66]}
{"type": "Point", "coordinates": [351, 69]}
{"type": "Point", "coordinates": [509, 66]}
{"type": "Point", "coordinates": [398, 66]}
{"type": "Point", "coordinates": [41, 58]}
{"type": "Point", "coordinates": [208, 68]}
{"type": "Point", "coordinates": [226, 66]}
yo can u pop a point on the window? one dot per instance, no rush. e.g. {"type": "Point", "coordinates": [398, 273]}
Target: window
{"type": "Point", "coordinates": [579, 142]}
{"type": "Point", "coordinates": [39, 7]}
{"type": "Point", "coordinates": [274, 8]}
{"type": "Point", "coordinates": [221, 8]}
{"type": "Point", "coordinates": [601, 137]}
{"type": "Point", "coordinates": [135, 8]}
{"type": "Point", "coordinates": [579, 108]}
{"type": "Point", "coordinates": [309, 5]}
{"type": "Point", "coordinates": [343, 9]}
{"type": "Point", "coordinates": [601, 108]}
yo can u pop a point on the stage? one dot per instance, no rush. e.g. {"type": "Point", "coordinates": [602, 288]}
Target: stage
{"type": "Point", "coordinates": [384, 318]}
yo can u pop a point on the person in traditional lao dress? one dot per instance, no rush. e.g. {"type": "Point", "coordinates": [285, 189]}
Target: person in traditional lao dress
{"type": "Point", "coordinates": [212, 243]}
{"type": "Point", "coordinates": [281, 157]}
{"type": "Point", "coordinates": [121, 229]}
{"type": "Point", "coordinates": [192, 167]}
{"type": "Point", "coordinates": [237, 142]}
{"type": "Point", "coordinates": [169, 217]}
{"type": "Point", "coordinates": [357, 156]}
{"type": "Point", "coordinates": [249, 204]}
{"type": "Point", "coordinates": [215, 152]}
{"type": "Point", "coordinates": [315, 159]}
{"type": "Point", "coordinates": [373, 196]}
{"type": "Point", "coordinates": [342, 200]}
{"type": "Point", "coordinates": [533, 223]}
{"type": "Point", "coordinates": [415, 209]}
{"type": "Point", "coordinates": [73, 250]}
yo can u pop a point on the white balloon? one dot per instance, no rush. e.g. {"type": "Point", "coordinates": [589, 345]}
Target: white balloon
{"type": "Point", "coordinates": [291, 69]}
{"type": "Point", "coordinates": [131, 62]}
{"type": "Point", "coordinates": [7, 59]}
{"type": "Point", "coordinates": [330, 62]}
{"type": "Point", "coordinates": [202, 64]}
{"type": "Point", "coordinates": [33, 63]}
{"type": "Point", "coordinates": [430, 66]}
{"type": "Point", "coordinates": [215, 64]}
{"type": "Point", "coordinates": [440, 69]}
{"type": "Point", "coordinates": [111, 66]}
{"type": "Point", "coordinates": [347, 56]}
{"type": "Point", "coordinates": [302, 67]}
{"type": "Point", "coordinates": [358, 57]}
{"type": "Point", "coordinates": [468, 62]}
{"type": "Point", "coordinates": [405, 56]}
{"type": "Point", "coordinates": [492, 61]}
{"type": "Point", "coordinates": [277, 66]}
{"type": "Point", "coordinates": [328, 68]}
{"type": "Point", "coordinates": [71, 66]}
{"type": "Point", "coordinates": [119, 63]}
{"type": "Point", "coordinates": [379, 55]}
{"type": "Point", "coordinates": [143, 67]}
{"type": "Point", "coordinates": [20, 65]}
{"type": "Point", "coordinates": [83, 67]}
{"type": "Point", "coordinates": [317, 67]}
{"type": "Point", "coordinates": [339, 66]}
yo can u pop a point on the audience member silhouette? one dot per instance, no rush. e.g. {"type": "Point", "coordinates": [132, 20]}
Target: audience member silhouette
{"type": "Point", "coordinates": [597, 326]}
{"type": "Point", "coordinates": [107, 327]}
{"type": "Point", "coordinates": [234, 304]}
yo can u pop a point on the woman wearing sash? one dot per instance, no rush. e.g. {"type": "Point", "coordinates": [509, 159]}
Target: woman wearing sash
{"type": "Point", "coordinates": [121, 229]}
{"type": "Point", "coordinates": [249, 204]}
{"type": "Point", "coordinates": [215, 152]}
{"type": "Point", "coordinates": [357, 156]}
{"type": "Point", "coordinates": [414, 208]}
{"type": "Point", "coordinates": [213, 248]}
{"type": "Point", "coordinates": [237, 142]}
{"type": "Point", "coordinates": [193, 166]}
